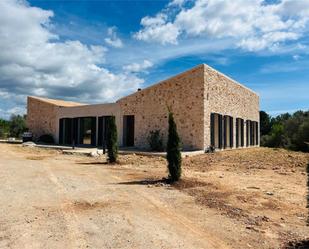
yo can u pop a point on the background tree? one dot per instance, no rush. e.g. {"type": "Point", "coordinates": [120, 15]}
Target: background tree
{"type": "Point", "coordinates": [287, 131]}
{"type": "Point", "coordinates": [277, 138]}
{"type": "Point", "coordinates": [265, 123]}
{"type": "Point", "coordinates": [4, 128]}
{"type": "Point", "coordinates": [111, 140]}
{"type": "Point", "coordinates": [17, 125]}
{"type": "Point", "coordinates": [173, 150]}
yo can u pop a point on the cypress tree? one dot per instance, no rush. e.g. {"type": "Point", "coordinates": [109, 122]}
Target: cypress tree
{"type": "Point", "coordinates": [308, 192]}
{"type": "Point", "coordinates": [173, 150]}
{"type": "Point", "coordinates": [111, 140]}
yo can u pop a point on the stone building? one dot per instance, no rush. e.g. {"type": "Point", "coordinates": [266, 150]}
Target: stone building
{"type": "Point", "coordinates": [209, 109]}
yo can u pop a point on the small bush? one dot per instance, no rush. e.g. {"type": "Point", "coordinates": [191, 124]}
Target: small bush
{"type": "Point", "coordinates": [47, 139]}
{"type": "Point", "coordinates": [112, 140]}
{"type": "Point", "coordinates": [155, 140]}
{"type": "Point", "coordinates": [173, 150]}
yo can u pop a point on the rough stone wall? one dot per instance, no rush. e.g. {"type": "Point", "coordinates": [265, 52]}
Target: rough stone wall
{"type": "Point", "coordinates": [41, 117]}
{"type": "Point", "coordinates": [227, 97]}
{"type": "Point", "coordinates": [184, 94]}
{"type": "Point", "coordinates": [191, 95]}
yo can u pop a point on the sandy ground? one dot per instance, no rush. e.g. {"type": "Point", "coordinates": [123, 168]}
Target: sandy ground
{"type": "Point", "coordinates": [251, 198]}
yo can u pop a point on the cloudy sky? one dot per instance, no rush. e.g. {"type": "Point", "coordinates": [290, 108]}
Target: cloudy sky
{"type": "Point", "coordinates": [98, 51]}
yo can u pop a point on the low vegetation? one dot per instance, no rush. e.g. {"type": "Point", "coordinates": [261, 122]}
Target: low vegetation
{"type": "Point", "coordinates": [47, 139]}
{"type": "Point", "coordinates": [14, 127]}
{"type": "Point", "coordinates": [290, 131]}
{"type": "Point", "coordinates": [4, 128]}
{"type": "Point", "coordinates": [155, 141]}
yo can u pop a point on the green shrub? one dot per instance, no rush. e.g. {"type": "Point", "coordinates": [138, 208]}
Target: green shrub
{"type": "Point", "coordinates": [155, 140]}
{"type": "Point", "coordinates": [4, 128]}
{"type": "Point", "coordinates": [17, 125]}
{"type": "Point", "coordinates": [287, 131]}
{"type": "Point", "coordinates": [173, 150]}
{"type": "Point", "coordinates": [111, 140]}
{"type": "Point", "coordinates": [276, 137]}
{"type": "Point", "coordinates": [47, 139]}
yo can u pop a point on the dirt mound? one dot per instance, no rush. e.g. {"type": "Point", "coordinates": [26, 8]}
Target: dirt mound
{"type": "Point", "coordinates": [85, 205]}
{"type": "Point", "coordinates": [279, 160]}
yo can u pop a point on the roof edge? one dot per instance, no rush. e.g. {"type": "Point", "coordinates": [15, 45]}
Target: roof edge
{"type": "Point", "coordinates": [234, 81]}
{"type": "Point", "coordinates": [53, 101]}
{"type": "Point", "coordinates": [162, 81]}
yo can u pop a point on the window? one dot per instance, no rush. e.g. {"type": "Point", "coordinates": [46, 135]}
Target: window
{"type": "Point", "coordinates": [228, 132]}
{"type": "Point", "coordinates": [239, 132]}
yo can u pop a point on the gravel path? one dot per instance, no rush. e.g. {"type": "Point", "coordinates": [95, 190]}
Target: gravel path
{"type": "Point", "coordinates": [49, 200]}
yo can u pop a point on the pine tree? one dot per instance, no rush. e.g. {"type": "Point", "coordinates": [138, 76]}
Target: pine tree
{"type": "Point", "coordinates": [111, 140]}
{"type": "Point", "coordinates": [173, 150]}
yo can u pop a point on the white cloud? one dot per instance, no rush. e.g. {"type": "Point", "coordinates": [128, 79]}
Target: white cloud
{"type": "Point", "coordinates": [138, 67]}
{"type": "Point", "coordinates": [7, 113]}
{"type": "Point", "coordinates": [113, 40]}
{"type": "Point", "coordinates": [177, 3]}
{"type": "Point", "coordinates": [33, 61]}
{"type": "Point", "coordinates": [158, 29]}
{"type": "Point", "coordinates": [252, 25]}
{"type": "Point", "coordinates": [296, 57]}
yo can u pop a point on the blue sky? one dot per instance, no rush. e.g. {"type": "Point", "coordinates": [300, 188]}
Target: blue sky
{"type": "Point", "coordinates": [98, 51]}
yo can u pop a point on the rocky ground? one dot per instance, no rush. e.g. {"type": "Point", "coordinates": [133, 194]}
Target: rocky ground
{"type": "Point", "coordinates": [248, 198]}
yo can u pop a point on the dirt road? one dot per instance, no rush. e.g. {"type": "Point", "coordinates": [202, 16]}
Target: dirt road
{"type": "Point", "coordinates": [49, 200]}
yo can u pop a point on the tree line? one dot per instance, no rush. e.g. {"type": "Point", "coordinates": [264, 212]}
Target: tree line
{"type": "Point", "coordinates": [14, 127]}
{"type": "Point", "coordinates": [289, 131]}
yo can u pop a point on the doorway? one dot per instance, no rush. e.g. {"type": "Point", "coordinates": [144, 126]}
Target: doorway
{"type": "Point", "coordinates": [128, 130]}
{"type": "Point", "coordinates": [87, 131]}
{"type": "Point", "coordinates": [102, 129]}
{"type": "Point", "coordinates": [216, 130]}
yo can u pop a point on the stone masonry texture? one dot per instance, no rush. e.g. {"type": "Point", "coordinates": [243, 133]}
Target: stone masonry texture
{"type": "Point", "coordinates": [192, 96]}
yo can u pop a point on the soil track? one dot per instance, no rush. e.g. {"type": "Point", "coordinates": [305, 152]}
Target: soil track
{"type": "Point", "coordinates": [235, 199]}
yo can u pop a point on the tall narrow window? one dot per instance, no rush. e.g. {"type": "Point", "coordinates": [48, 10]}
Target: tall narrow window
{"type": "Point", "coordinates": [248, 135]}
{"type": "Point", "coordinates": [61, 130]}
{"type": "Point", "coordinates": [216, 130]}
{"type": "Point", "coordinates": [257, 133]}
{"type": "Point", "coordinates": [239, 132]}
{"type": "Point", "coordinates": [228, 131]}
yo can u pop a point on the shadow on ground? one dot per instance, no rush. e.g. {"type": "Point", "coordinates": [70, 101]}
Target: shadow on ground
{"type": "Point", "coordinates": [146, 182]}
{"type": "Point", "coordinates": [94, 163]}
{"type": "Point", "coordinates": [303, 244]}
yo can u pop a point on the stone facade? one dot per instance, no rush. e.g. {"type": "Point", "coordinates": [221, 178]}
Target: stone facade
{"type": "Point", "coordinates": [41, 117]}
{"type": "Point", "coordinates": [192, 96]}
{"type": "Point", "coordinates": [183, 94]}
{"type": "Point", "coordinates": [227, 97]}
